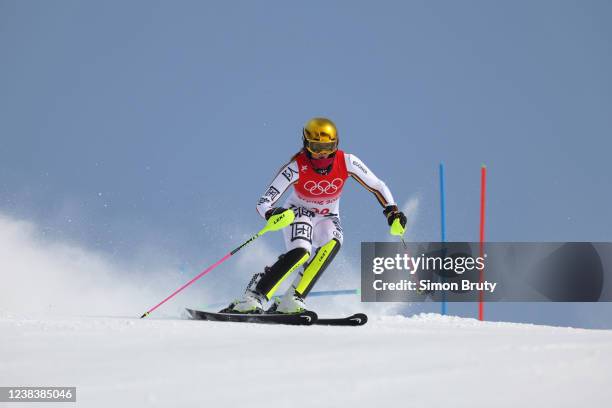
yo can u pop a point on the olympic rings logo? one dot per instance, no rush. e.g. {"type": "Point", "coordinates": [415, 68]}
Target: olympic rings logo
{"type": "Point", "coordinates": [323, 186]}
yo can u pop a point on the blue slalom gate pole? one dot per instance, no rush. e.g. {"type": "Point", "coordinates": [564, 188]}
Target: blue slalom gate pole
{"type": "Point", "coordinates": [334, 292]}
{"type": "Point", "coordinates": [442, 225]}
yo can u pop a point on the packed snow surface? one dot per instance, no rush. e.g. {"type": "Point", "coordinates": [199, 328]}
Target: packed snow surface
{"type": "Point", "coordinates": [423, 361]}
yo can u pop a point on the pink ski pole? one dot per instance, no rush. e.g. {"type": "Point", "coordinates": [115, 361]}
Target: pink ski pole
{"type": "Point", "coordinates": [276, 222]}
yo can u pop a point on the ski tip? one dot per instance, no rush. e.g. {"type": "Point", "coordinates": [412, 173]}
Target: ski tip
{"type": "Point", "coordinates": [362, 318]}
{"type": "Point", "coordinates": [310, 317]}
{"type": "Point", "coordinates": [358, 319]}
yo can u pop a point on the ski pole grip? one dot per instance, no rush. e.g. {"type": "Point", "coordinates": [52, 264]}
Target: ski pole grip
{"type": "Point", "coordinates": [279, 221]}
{"type": "Point", "coordinates": [396, 228]}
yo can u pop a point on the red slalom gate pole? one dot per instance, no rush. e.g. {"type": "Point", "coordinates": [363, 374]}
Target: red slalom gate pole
{"type": "Point", "coordinates": [483, 191]}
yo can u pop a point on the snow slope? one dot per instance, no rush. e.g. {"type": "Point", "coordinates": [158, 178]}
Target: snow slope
{"type": "Point", "coordinates": [423, 361]}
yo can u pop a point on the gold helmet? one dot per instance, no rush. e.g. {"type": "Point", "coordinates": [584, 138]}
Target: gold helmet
{"type": "Point", "coordinates": [320, 136]}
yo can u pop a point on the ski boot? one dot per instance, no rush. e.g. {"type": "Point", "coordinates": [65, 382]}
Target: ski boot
{"type": "Point", "coordinates": [290, 303]}
{"type": "Point", "coordinates": [251, 302]}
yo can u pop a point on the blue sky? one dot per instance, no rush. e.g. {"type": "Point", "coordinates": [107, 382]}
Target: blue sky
{"type": "Point", "coordinates": [125, 124]}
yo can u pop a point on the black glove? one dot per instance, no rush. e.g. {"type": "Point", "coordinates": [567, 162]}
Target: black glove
{"type": "Point", "coordinates": [273, 211]}
{"type": "Point", "coordinates": [392, 213]}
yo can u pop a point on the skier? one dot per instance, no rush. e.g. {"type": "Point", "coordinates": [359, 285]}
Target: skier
{"type": "Point", "coordinates": [317, 173]}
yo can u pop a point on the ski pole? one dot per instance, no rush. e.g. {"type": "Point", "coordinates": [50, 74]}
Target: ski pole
{"type": "Point", "coordinates": [275, 223]}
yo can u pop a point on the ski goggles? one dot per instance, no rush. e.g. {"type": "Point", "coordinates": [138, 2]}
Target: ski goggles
{"type": "Point", "coordinates": [322, 147]}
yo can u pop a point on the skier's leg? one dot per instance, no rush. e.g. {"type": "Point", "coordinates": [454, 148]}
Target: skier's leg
{"type": "Point", "coordinates": [263, 285]}
{"type": "Point", "coordinates": [298, 239]}
{"type": "Point", "coordinates": [315, 268]}
{"type": "Point", "coordinates": [328, 238]}
{"type": "Point", "coordinates": [329, 231]}
{"type": "Point", "coordinates": [274, 275]}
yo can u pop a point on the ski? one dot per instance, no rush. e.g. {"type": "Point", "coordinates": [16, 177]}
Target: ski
{"type": "Point", "coordinates": [358, 319]}
{"type": "Point", "coordinates": [298, 319]}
